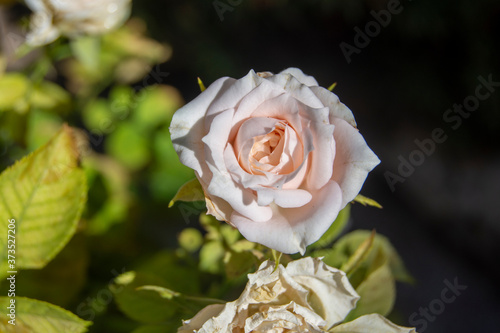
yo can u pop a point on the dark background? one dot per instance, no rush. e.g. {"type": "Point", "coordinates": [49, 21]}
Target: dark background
{"type": "Point", "coordinates": [444, 219]}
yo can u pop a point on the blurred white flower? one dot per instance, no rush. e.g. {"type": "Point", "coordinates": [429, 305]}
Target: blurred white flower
{"type": "Point", "coordinates": [306, 296]}
{"type": "Point", "coordinates": [52, 18]}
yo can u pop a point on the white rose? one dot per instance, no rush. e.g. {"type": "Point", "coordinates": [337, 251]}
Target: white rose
{"type": "Point", "coordinates": [306, 296]}
{"type": "Point", "coordinates": [277, 156]}
{"type": "Point", "coordinates": [52, 18]}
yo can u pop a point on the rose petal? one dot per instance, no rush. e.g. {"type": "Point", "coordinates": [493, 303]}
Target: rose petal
{"type": "Point", "coordinates": [244, 178]}
{"type": "Point", "coordinates": [221, 323]}
{"type": "Point", "coordinates": [290, 230]}
{"type": "Point", "coordinates": [216, 139]}
{"type": "Point", "coordinates": [283, 198]}
{"type": "Point", "coordinates": [262, 286]}
{"type": "Point", "coordinates": [187, 127]}
{"type": "Point", "coordinates": [265, 91]}
{"type": "Point", "coordinates": [300, 76]}
{"type": "Point", "coordinates": [244, 140]}
{"type": "Point", "coordinates": [337, 109]}
{"type": "Point", "coordinates": [373, 323]}
{"type": "Point", "coordinates": [331, 293]}
{"type": "Point", "coordinates": [282, 107]}
{"type": "Point", "coordinates": [353, 160]}
{"type": "Point", "coordinates": [322, 157]}
{"type": "Point", "coordinates": [242, 201]}
{"type": "Point", "coordinates": [286, 317]}
{"type": "Point", "coordinates": [295, 88]}
{"type": "Point", "coordinates": [200, 318]}
{"type": "Point", "coordinates": [230, 97]}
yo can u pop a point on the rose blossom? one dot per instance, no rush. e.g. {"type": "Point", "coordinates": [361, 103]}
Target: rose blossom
{"type": "Point", "coordinates": [277, 156]}
{"type": "Point", "coordinates": [51, 18]}
{"type": "Point", "coordinates": [306, 296]}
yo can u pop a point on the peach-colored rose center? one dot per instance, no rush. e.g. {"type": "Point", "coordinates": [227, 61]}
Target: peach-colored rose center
{"type": "Point", "coordinates": [275, 151]}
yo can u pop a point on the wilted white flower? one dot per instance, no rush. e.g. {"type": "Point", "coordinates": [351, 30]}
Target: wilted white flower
{"type": "Point", "coordinates": [52, 18]}
{"type": "Point", "coordinates": [306, 296]}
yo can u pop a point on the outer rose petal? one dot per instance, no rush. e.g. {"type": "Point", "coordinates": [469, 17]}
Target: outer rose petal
{"type": "Point", "coordinates": [201, 317]}
{"type": "Point", "coordinates": [299, 75]}
{"type": "Point", "coordinates": [230, 97]}
{"type": "Point", "coordinates": [331, 293]}
{"type": "Point", "coordinates": [337, 109]}
{"type": "Point", "coordinates": [297, 89]}
{"type": "Point", "coordinates": [290, 230]}
{"type": "Point", "coordinates": [372, 323]}
{"type": "Point", "coordinates": [187, 126]}
{"type": "Point", "coordinates": [353, 160]}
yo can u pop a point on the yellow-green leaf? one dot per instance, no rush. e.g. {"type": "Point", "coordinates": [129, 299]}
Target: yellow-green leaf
{"type": "Point", "coordinates": [367, 201]}
{"type": "Point", "coordinates": [129, 146]}
{"type": "Point", "coordinates": [377, 294]}
{"type": "Point", "coordinates": [32, 316]}
{"type": "Point", "coordinates": [145, 307]}
{"type": "Point", "coordinates": [44, 193]}
{"type": "Point", "coordinates": [202, 86]}
{"type": "Point", "coordinates": [174, 295]}
{"type": "Point", "coordinates": [359, 255]}
{"type": "Point", "coordinates": [334, 230]}
{"type": "Point", "coordinates": [51, 97]}
{"type": "Point", "coordinates": [13, 90]}
{"type": "Point", "coordinates": [381, 252]}
{"type": "Point", "coordinates": [190, 191]}
{"type": "Point", "coordinates": [237, 264]}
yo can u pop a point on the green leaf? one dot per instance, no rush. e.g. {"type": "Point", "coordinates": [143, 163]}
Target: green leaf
{"type": "Point", "coordinates": [142, 306]}
{"type": "Point", "coordinates": [13, 90]}
{"type": "Point", "coordinates": [87, 49]}
{"type": "Point", "coordinates": [97, 116]}
{"type": "Point", "coordinates": [168, 173]}
{"type": "Point", "coordinates": [66, 272]}
{"type": "Point", "coordinates": [377, 292]}
{"type": "Point", "coordinates": [40, 317]}
{"type": "Point", "coordinates": [174, 271]}
{"type": "Point", "coordinates": [334, 230]}
{"type": "Point", "coordinates": [230, 234]}
{"type": "Point", "coordinates": [158, 328]}
{"type": "Point", "coordinates": [380, 252]}
{"type": "Point", "coordinates": [359, 255]}
{"type": "Point", "coordinates": [109, 192]}
{"type": "Point", "coordinates": [41, 128]}
{"type": "Point", "coordinates": [237, 264]}
{"type": "Point", "coordinates": [182, 300]}
{"type": "Point", "coordinates": [202, 86]}
{"type": "Point", "coordinates": [277, 258]}
{"type": "Point", "coordinates": [129, 146]}
{"type": "Point", "coordinates": [44, 193]}
{"type": "Point", "coordinates": [51, 97]}
{"type": "Point", "coordinates": [367, 201]}
{"type": "Point", "coordinates": [190, 191]}
{"type": "Point", "coordinates": [155, 106]}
